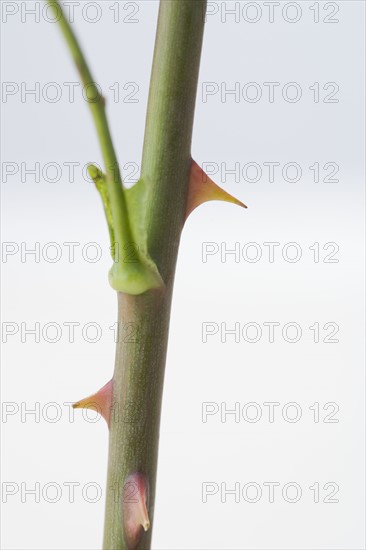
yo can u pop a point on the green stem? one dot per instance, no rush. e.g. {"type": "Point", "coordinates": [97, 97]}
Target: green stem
{"type": "Point", "coordinates": [139, 367]}
{"type": "Point", "coordinates": [140, 361]}
{"type": "Point", "coordinates": [122, 230]}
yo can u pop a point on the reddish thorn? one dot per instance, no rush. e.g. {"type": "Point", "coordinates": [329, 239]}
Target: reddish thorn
{"type": "Point", "coordinates": [202, 189]}
{"type": "Point", "coordinates": [100, 402]}
{"type": "Point", "coordinates": [135, 513]}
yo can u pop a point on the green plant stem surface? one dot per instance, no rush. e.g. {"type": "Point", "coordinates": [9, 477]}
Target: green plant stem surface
{"type": "Point", "coordinates": [140, 360]}
{"type": "Point", "coordinates": [140, 365]}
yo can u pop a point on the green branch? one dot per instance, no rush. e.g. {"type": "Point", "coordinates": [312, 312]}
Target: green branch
{"type": "Point", "coordinates": [141, 274]}
{"type": "Point", "coordinates": [139, 368]}
{"type": "Point", "coordinates": [151, 214]}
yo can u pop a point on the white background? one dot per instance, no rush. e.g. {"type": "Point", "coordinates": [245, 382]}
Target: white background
{"type": "Point", "coordinates": [219, 290]}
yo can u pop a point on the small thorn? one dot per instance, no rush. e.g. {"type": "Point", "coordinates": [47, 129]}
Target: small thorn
{"type": "Point", "coordinates": [146, 525]}
{"type": "Point", "coordinates": [202, 189]}
{"type": "Point", "coordinates": [100, 402]}
{"type": "Point", "coordinates": [135, 513]}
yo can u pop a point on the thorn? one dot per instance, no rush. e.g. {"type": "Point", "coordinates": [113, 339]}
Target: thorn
{"type": "Point", "coordinates": [202, 189]}
{"type": "Point", "coordinates": [100, 402]}
{"type": "Point", "coordinates": [135, 514]}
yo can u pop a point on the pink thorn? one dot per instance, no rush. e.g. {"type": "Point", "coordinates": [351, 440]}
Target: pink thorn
{"type": "Point", "coordinates": [100, 402]}
{"type": "Point", "coordinates": [135, 514]}
{"type": "Point", "coordinates": [202, 189]}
